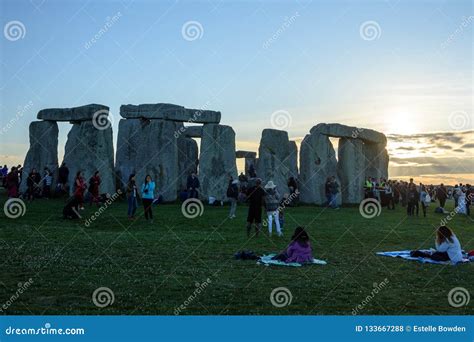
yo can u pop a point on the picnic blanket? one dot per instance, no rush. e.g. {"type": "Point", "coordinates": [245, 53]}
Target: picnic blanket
{"type": "Point", "coordinates": [266, 260]}
{"type": "Point", "coordinates": [406, 255]}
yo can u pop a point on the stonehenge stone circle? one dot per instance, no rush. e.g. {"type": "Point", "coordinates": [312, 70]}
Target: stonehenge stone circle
{"type": "Point", "coordinates": [152, 139]}
{"type": "Point", "coordinates": [82, 113]}
{"type": "Point", "coordinates": [43, 150]}
{"type": "Point", "coordinates": [217, 160]}
{"type": "Point", "coordinates": [89, 149]}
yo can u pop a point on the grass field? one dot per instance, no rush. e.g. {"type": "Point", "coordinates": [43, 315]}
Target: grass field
{"type": "Point", "coordinates": [154, 268]}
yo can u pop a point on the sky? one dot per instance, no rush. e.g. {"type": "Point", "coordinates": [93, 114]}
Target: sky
{"type": "Point", "coordinates": [402, 67]}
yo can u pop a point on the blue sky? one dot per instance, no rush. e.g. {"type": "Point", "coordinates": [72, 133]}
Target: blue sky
{"type": "Point", "coordinates": [307, 58]}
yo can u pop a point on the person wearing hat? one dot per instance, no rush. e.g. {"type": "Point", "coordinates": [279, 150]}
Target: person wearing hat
{"type": "Point", "coordinates": [255, 198]}
{"type": "Point", "coordinates": [233, 195]}
{"type": "Point", "coordinates": [272, 203]}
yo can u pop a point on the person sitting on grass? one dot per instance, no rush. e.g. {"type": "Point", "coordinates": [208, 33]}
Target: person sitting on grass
{"type": "Point", "coordinates": [448, 247]}
{"type": "Point", "coordinates": [299, 250]}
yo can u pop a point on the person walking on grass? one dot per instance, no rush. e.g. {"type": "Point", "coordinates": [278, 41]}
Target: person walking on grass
{"type": "Point", "coordinates": [255, 197]}
{"type": "Point", "coordinates": [132, 196]}
{"type": "Point", "coordinates": [148, 195]}
{"type": "Point", "coordinates": [79, 189]}
{"type": "Point", "coordinates": [272, 202]}
{"type": "Point", "coordinates": [233, 195]}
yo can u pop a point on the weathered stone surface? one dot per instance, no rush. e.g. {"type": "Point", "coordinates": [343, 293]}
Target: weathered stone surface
{"type": "Point", "coordinates": [376, 159]}
{"type": "Point", "coordinates": [89, 149]}
{"type": "Point", "coordinates": [188, 159]}
{"type": "Point", "coordinates": [81, 113]}
{"type": "Point", "coordinates": [317, 163]}
{"type": "Point", "coordinates": [193, 131]}
{"type": "Point", "coordinates": [293, 159]}
{"type": "Point", "coordinates": [343, 131]}
{"type": "Point", "coordinates": [248, 164]}
{"type": "Point", "coordinates": [351, 168]}
{"type": "Point", "coordinates": [169, 111]}
{"type": "Point", "coordinates": [217, 160]}
{"type": "Point", "coordinates": [245, 154]}
{"type": "Point", "coordinates": [43, 150]}
{"type": "Point", "coordinates": [273, 158]}
{"type": "Point", "coordinates": [149, 147]}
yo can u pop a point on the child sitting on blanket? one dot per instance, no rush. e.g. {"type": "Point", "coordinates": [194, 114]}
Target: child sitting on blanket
{"type": "Point", "coordinates": [299, 249]}
{"type": "Point", "coordinates": [447, 247]}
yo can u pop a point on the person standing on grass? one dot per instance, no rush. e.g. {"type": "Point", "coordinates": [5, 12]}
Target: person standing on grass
{"type": "Point", "coordinates": [469, 198]}
{"type": "Point", "coordinates": [327, 191]}
{"type": "Point", "coordinates": [334, 190]}
{"type": "Point", "coordinates": [148, 195]}
{"type": "Point", "coordinates": [233, 195]}
{"type": "Point", "coordinates": [272, 202]}
{"type": "Point", "coordinates": [425, 199]}
{"type": "Point", "coordinates": [47, 181]}
{"type": "Point", "coordinates": [412, 199]}
{"type": "Point", "coordinates": [63, 177]}
{"type": "Point", "coordinates": [193, 185]}
{"type": "Point", "coordinates": [94, 185]}
{"type": "Point", "coordinates": [389, 195]}
{"type": "Point", "coordinates": [12, 183]}
{"type": "Point", "coordinates": [132, 196]}
{"type": "Point", "coordinates": [442, 194]}
{"type": "Point", "coordinates": [255, 198]}
{"type": "Point", "coordinates": [79, 189]}
{"type": "Point", "coordinates": [33, 184]}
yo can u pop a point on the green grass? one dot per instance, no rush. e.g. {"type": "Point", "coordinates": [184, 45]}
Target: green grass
{"type": "Point", "coordinates": [152, 269]}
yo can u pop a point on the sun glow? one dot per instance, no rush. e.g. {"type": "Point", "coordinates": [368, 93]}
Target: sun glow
{"type": "Point", "coordinates": [401, 122]}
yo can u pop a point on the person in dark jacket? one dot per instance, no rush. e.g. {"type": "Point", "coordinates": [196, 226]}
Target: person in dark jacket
{"type": "Point", "coordinates": [63, 176]}
{"type": "Point", "coordinates": [255, 198]}
{"type": "Point", "coordinates": [193, 185]}
{"type": "Point", "coordinates": [333, 190]}
{"type": "Point", "coordinates": [33, 184]}
{"type": "Point", "coordinates": [12, 183]}
{"type": "Point", "coordinates": [413, 198]}
{"type": "Point", "coordinates": [441, 195]}
{"type": "Point", "coordinates": [132, 196]}
{"type": "Point", "coordinates": [233, 195]}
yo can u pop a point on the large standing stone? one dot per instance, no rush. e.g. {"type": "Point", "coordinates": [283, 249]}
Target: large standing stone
{"type": "Point", "coordinates": [188, 159]}
{"type": "Point", "coordinates": [343, 131]}
{"type": "Point", "coordinates": [216, 160]}
{"type": "Point", "coordinates": [149, 147]}
{"type": "Point", "coordinates": [274, 158]}
{"type": "Point", "coordinates": [89, 149]}
{"type": "Point", "coordinates": [169, 112]}
{"type": "Point", "coordinates": [351, 169]}
{"type": "Point", "coordinates": [317, 163]}
{"type": "Point", "coordinates": [82, 113]}
{"type": "Point", "coordinates": [377, 160]}
{"type": "Point", "coordinates": [43, 150]}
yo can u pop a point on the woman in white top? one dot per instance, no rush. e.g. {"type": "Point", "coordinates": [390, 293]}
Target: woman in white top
{"type": "Point", "coordinates": [448, 247]}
